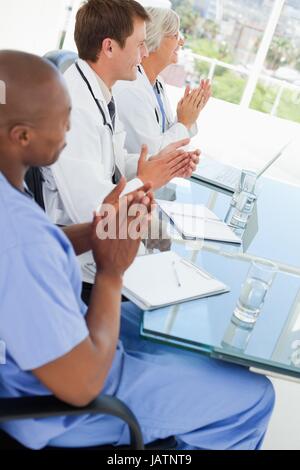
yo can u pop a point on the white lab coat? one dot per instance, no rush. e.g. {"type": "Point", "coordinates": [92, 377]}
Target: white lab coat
{"type": "Point", "coordinates": [141, 116]}
{"type": "Point", "coordinates": [77, 184]}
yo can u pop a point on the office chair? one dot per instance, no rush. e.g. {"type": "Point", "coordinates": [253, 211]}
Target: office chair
{"type": "Point", "coordinates": [34, 181]}
{"type": "Point", "coordinates": [48, 406]}
{"type": "Point", "coordinates": [61, 59]}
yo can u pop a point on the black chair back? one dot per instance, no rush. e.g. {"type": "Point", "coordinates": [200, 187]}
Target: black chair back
{"type": "Point", "coordinates": [34, 180]}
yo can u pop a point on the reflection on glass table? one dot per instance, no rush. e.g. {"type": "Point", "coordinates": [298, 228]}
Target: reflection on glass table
{"type": "Point", "coordinates": [273, 228]}
{"type": "Point", "coordinates": [237, 335]}
{"type": "Point", "coordinates": [271, 232]}
{"type": "Point", "coordinates": [272, 343]}
{"type": "Point", "coordinates": [208, 326]}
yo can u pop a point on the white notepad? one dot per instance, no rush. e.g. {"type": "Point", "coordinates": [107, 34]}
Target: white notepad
{"type": "Point", "coordinates": [195, 221]}
{"type": "Point", "coordinates": [162, 279]}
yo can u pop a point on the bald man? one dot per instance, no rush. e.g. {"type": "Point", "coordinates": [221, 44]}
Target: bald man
{"type": "Point", "coordinates": [55, 345]}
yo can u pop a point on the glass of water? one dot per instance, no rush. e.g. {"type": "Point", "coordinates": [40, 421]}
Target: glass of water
{"type": "Point", "coordinates": [243, 199]}
{"type": "Point", "coordinates": [247, 183]}
{"type": "Point", "coordinates": [259, 279]}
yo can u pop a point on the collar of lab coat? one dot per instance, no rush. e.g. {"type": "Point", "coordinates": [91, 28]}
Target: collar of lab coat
{"type": "Point", "coordinates": [92, 79]}
{"type": "Point", "coordinates": [104, 88]}
{"type": "Point", "coordinates": [144, 82]}
{"type": "Point", "coordinates": [146, 79]}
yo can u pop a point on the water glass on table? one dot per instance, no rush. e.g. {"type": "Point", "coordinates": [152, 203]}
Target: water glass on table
{"type": "Point", "coordinates": [242, 202]}
{"type": "Point", "coordinates": [259, 279]}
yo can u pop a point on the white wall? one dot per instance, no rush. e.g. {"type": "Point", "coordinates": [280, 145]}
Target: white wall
{"type": "Point", "coordinates": [284, 429]}
{"type": "Point", "coordinates": [69, 40]}
{"type": "Point", "coordinates": [31, 25]}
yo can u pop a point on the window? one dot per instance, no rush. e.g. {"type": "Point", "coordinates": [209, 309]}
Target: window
{"type": "Point", "coordinates": [250, 48]}
{"type": "Point", "coordinates": [278, 89]}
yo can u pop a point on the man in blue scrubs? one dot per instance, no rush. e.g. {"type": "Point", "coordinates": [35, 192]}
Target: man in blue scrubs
{"type": "Point", "coordinates": [56, 345]}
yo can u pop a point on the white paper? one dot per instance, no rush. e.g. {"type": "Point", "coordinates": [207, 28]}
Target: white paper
{"type": "Point", "coordinates": [152, 281]}
{"type": "Point", "coordinates": [195, 221]}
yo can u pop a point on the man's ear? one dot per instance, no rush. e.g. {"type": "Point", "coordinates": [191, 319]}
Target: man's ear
{"type": "Point", "coordinates": [107, 47]}
{"type": "Point", "coordinates": [21, 135]}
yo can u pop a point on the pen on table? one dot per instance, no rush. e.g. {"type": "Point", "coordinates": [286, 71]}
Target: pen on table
{"type": "Point", "coordinates": [176, 273]}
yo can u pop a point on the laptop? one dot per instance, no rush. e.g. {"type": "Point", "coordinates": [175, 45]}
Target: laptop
{"type": "Point", "coordinates": [226, 176]}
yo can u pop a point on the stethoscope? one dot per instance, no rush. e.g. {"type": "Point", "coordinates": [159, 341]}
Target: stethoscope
{"type": "Point", "coordinates": [160, 90]}
{"type": "Point", "coordinates": [105, 122]}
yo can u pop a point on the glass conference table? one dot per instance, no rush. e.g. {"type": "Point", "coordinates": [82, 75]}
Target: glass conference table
{"type": "Point", "coordinates": [272, 345]}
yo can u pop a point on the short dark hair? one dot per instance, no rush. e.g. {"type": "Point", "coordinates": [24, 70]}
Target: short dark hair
{"type": "Point", "coordinates": [97, 20]}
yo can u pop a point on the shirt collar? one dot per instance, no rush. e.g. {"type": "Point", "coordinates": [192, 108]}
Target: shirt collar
{"type": "Point", "coordinates": [104, 88]}
{"type": "Point", "coordinates": [158, 81]}
{"type": "Point", "coordinates": [27, 193]}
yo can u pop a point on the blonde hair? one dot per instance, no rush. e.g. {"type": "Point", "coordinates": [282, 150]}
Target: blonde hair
{"type": "Point", "coordinates": [163, 22]}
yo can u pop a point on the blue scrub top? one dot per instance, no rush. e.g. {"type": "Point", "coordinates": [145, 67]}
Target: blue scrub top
{"type": "Point", "coordinates": [41, 312]}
